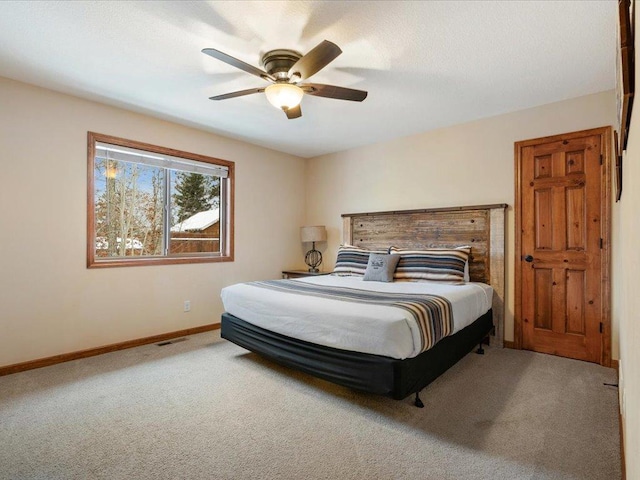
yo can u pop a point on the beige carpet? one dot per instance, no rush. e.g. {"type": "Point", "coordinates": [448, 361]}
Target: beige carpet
{"type": "Point", "coordinates": [206, 409]}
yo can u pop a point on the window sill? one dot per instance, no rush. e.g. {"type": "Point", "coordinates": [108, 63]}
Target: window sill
{"type": "Point", "coordinates": [132, 261]}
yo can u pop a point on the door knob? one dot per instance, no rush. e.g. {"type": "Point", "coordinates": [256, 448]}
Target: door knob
{"type": "Point", "coordinates": [528, 258]}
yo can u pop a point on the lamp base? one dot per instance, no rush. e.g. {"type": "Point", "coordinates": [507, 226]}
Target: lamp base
{"type": "Point", "coordinates": [313, 258]}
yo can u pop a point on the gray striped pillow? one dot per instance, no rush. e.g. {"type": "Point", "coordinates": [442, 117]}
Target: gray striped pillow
{"type": "Point", "coordinates": [352, 261]}
{"type": "Point", "coordinates": [436, 264]}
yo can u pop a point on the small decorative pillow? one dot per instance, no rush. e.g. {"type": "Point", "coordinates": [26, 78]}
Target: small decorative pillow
{"type": "Point", "coordinates": [352, 261]}
{"type": "Point", "coordinates": [437, 264]}
{"type": "Point", "coordinates": [381, 267]}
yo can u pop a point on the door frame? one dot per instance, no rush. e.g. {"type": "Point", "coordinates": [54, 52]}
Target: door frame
{"type": "Point", "coordinates": [605, 225]}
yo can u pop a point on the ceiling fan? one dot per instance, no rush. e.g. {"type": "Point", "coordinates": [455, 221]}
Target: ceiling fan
{"type": "Point", "coordinates": [285, 69]}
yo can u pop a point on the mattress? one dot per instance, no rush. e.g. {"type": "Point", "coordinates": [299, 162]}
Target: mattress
{"type": "Point", "coordinates": [376, 329]}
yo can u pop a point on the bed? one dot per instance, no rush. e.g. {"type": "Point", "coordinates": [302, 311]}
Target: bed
{"type": "Point", "coordinates": [301, 324]}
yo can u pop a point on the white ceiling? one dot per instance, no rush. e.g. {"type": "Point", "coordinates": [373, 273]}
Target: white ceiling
{"type": "Point", "coordinates": [425, 64]}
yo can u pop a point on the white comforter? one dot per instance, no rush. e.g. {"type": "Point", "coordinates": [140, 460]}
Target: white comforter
{"type": "Point", "coordinates": [380, 330]}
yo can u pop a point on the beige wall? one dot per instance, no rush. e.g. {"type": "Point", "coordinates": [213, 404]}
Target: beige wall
{"type": "Point", "coordinates": [627, 292]}
{"type": "Point", "coordinates": [469, 164]}
{"type": "Point", "coordinates": [50, 303]}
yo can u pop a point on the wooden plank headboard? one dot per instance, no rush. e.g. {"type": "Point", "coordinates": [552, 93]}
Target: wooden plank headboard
{"type": "Point", "coordinates": [482, 227]}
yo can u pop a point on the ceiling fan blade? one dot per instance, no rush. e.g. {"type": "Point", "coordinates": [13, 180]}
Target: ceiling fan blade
{"type": "Point", "coordinates": [294, 112]}
{"type": "Point", "coordinates": [314, 61]}
{"type": "Point", "coordinates": [331, 91]}
{"type": "Point", "coordinates": [234, 62]}
{"type": "Point", "coordinates": [239, 93]}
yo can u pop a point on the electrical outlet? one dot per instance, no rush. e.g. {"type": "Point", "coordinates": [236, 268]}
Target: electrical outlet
{"type": "Point", "coordinates": [187, 305]}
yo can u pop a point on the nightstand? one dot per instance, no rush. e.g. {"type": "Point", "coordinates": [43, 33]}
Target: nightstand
{"type": "Point", "coordinates": [301, 273]}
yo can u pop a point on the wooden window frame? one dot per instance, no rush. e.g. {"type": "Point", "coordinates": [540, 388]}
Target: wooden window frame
{"type": "Point", "coordinates": [227, 255]}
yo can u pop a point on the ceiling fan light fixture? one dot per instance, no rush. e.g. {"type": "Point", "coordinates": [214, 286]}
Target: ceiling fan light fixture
{"type": "Point", "coordinates": [284, 95]}
{"type": "Point", "coordinates": [285, 68]}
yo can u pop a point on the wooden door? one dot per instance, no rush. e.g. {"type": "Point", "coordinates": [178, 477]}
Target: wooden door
{"type": "Point", "coordinates": [562, 262]}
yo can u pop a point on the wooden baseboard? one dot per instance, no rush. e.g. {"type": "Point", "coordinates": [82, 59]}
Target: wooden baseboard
{"type": "Point", "coordinates": [66, 357]}
{"type": "Point", "coordinates": [622, 460]}
{"type": "Point", "coordinates": [615, 363]}
{"type": "Point", "coordinates": [509, 344]}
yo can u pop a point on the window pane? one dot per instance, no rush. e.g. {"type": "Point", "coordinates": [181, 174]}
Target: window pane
{"type": "Point", "coordinates": [128, 208]}
{"type": "Point", "coordinates": [194, 213]}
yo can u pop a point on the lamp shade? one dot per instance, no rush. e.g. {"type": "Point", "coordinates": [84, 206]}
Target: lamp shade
{"type": "Point", "coordinates": [284, 95]}
{"type": "Point", "coordinates": [316, 233]}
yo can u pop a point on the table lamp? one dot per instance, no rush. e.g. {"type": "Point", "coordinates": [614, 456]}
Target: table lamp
{"type": "Point", "coordinates": [314, 234]}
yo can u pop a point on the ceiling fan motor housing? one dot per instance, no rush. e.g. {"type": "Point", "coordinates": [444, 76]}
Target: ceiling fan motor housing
{"type": "Point", "coordinates": [278, 62]}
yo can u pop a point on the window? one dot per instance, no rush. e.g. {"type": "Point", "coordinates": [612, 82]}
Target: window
{"type": "Point", "coordinates": [154, 205]}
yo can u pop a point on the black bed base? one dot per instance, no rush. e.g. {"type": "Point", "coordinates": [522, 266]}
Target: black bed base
{"type": "Point", "coordinates": [361, 371]}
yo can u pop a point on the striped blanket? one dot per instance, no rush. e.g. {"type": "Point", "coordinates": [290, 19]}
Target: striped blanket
{"type": "Point", "coordinates": [432, 313]}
